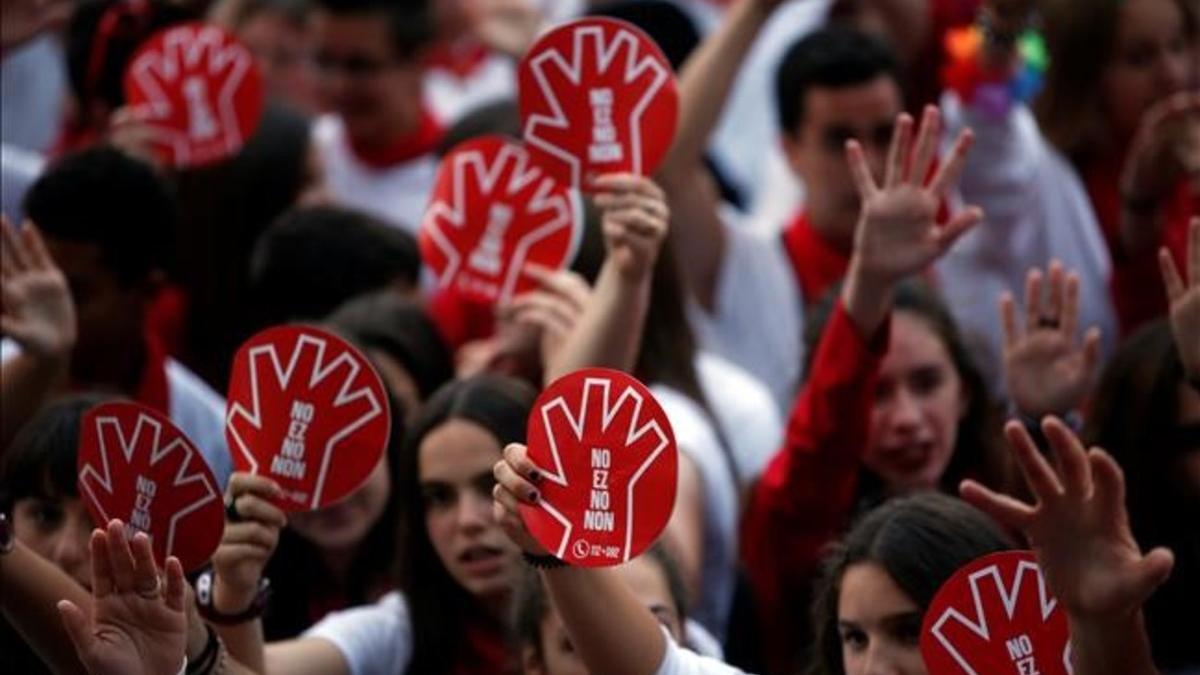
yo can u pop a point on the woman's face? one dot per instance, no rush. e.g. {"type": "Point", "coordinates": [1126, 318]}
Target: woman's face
{"type": "Point", "coordinates": [919, 400]}
{"type": "Point", "coordinates": [879, 626]}
{"type": "Point", "coordinates": [646, 578]}
{"type": "Point", "coordinates": [1150, 61]}
{"type": "Point", "coordinates": [343, 526]}
{"type": "Point", "coordinates": [455, 468]}
{"type": "Point", "coordinates": [58, 529]}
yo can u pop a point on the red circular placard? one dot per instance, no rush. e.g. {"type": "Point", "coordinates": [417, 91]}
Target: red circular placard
{"type": "Point", "coordinates": [597, 96]}
{"type": "Point", "coordinates": [491, 212]}
{"type": "Point", "coordinates": [134, 464]}
{"type": "Point", "coordinates": [307, 410]}
{"type": "Point", "coordinates": [199, 92]}
{"type": "Point", "coordinates": [996, 615]}
{"type": "Point", "coordinates": [609, 459]}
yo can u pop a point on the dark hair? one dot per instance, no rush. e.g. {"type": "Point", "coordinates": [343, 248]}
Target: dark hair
{"type": "Point", "coordinates": [501, 118]}
{"type": "Point", "coordinates": [103, 197]}
{"type": "Point", "coordinates": [835, 56]}
{"type": "Point", "coordinates": [314, 259]}
{"type": "Point", "coordinates": [103, 36]}
{"type": "Point", "coordinates": [1136, 416]}
{"type": "Point", "coordinates": [296, 600]}
{"type": "Point", "coordinates": [401, 329]}
{"type": "Point", "coordinates": [921, 541]}
{"type": "Point", "coordinates": [531, 603]}
{"type": "Point", "coordinates": [41, 460]}
{"type": "Point", "coordinates": [224, 209]}
{"type": "Point", "coordinates": [440, 606]}
{"type": "Point", "coordinates": [979, 451]}
{"type": "Point", "coordinates": [410, 22]}
{"type": "Point", "coordinates": [669, 26]}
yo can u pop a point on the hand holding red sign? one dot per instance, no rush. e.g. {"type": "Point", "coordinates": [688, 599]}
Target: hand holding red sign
{"type": "Point", "coordinates": [307, 410]}
{"type": "Point", "coordinates": [996, 615]}
{"type": "Point", "coordinates": [597, 96]}
{"type": "Point", "coordinates": [608, 460]}
{"type": "Point", "coordinates": [491, 212]}
{"type": "Point", "coordinates": [135, 465]}
{"type": "Point", "coordinates": [199, 92]}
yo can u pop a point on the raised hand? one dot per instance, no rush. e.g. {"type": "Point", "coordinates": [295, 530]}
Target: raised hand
{"type": "Point", "coordinates": [1185, 300]}
{"type": "Point", "coordinates": [1167, 146]}
{"type": "Point", "coordinates": [1047, 371]}
{"type": "Point", "coordinates": [251, 534]}
{"type": "Point", "coordinates": [36, 309]}
{"type": "Point", "coordinates": [898, 234]}
{"type": "Point", "coordinates": [135, 627]}
{"type": "Point", "coordinates": [1078, 526]}
{"type": "Point", "coordinates": [635, 216]}
{"type": "Point", "coordinates": [552, 310]}
{"type": "Point", "coordinates": [516, 483]}
{"type": "Point", "coordinates": [507, 26]}
{"type": "Point", "coordinates": [26, 19]}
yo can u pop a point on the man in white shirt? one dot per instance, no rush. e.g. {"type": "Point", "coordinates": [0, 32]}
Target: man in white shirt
{"type": "Point", "coordinates": [378, 139]}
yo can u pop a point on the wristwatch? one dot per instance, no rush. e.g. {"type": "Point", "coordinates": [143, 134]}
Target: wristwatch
{"type": "Point", "coordinates": [204, 602]}
{"type": "Point", "coordinates": [6, 534]}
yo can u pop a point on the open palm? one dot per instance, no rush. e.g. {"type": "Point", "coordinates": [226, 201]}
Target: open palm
{"type": "Point", "coordinates": [37, 310]}
{"type": "Point", "coordinates": [1185, 301]}
{"type": "Point", "coordinates": [134, 627]}
{"type": "Point", "coordinates": [1079, 526]}
{"type": "Point", "coordinates": [898, 234]}
{"type": "Point", "coordinates": [1046, 369]}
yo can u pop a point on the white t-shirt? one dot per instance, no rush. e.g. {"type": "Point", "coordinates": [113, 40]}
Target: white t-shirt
{"type": "Point", "coordinates": [737, 401]}
{"type": "Point", "coordinates": [746, 412]}
{"type": "Point", "coordinates": [397, 195]}
{"type": "Point", "coordinates": [195, 408]}
{"type": "Point", "coordinates": [679, 661]}
{"type": "Point", "coordinates": [757, 322]}
{"type": "Point", "coordinates": [373, 639]}
{"type": "Point", "coordinates": [377, 639]}
{"type": "Point", "coordinates": [450, 96]}
{"type": "Point", "coordinates": [1036, 209]}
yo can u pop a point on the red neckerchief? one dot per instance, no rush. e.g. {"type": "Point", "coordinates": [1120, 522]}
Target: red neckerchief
{"type": "Point", "coordinates": [153, 390]}
{"type": "Point", "coordinates": [816, 263]}
{"type": "Point", "coordinates": [1136, 283]}
{"type": "Point", "coordinates": [461, 59]}
{"type": "Point", "coordinates": [420, 142]}
{"type": "Point", "coordinates": [486, 649]}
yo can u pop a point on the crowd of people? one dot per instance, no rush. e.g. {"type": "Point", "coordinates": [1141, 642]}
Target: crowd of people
{"type": "Point", "coordinates": [917, 281]}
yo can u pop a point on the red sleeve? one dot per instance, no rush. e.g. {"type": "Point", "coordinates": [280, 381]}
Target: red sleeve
{"type": "Point", "coordinates": [804, 498]}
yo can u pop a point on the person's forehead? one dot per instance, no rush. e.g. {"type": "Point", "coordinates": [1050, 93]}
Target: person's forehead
{"type": "Point", "coordinates": [456, 452]}
{"type": "Point", "coordinates": [872, 102]}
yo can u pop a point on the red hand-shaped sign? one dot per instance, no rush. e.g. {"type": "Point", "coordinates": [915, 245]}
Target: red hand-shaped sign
{"type": "Point", "coordinates": [308, 411]}
{"type": "Point", "coordinates": [609, 459]}
{"type": "Point", "coordinates": [198, 91]}
{"type": "Point", "coordinates": [597, 96]}
{"type": "Point", "coordinates": [996, 616]}
{"type": "Point", "coordinates": [491, 212]}
{"type": "Point", "coordinates": [134, 464]}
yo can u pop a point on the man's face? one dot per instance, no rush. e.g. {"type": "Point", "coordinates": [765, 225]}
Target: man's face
{"type": "Point", "coordinates": [109, 313]}
{"type": "Point", "coordinates": [362, 78]}
{"type": "Point", "coordinates": [817, 151]}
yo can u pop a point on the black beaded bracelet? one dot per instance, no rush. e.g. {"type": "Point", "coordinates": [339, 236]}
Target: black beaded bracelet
{"type": "Point", "coordinates": [543, 562]}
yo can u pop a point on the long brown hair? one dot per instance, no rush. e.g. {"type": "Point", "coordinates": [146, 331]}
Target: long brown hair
{"type": "Point", "coordinates": [1080, 38]}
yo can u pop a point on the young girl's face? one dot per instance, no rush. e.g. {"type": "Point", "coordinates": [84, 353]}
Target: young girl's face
{"type": "Point", "coordinates": [58, 529]}
{"type": "Point", "coordinates": [879, 625]}
{"type": "Point", "coordinates": [919, 400]}
{"type": "Point", "coordinates": [343, 526]}
{"type": "Point", "coordinates": [1150, 61]}
{"type": "Point", "coordinates": [455, 468]}
{"type": "Point", "coordinates": [647, 580]}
